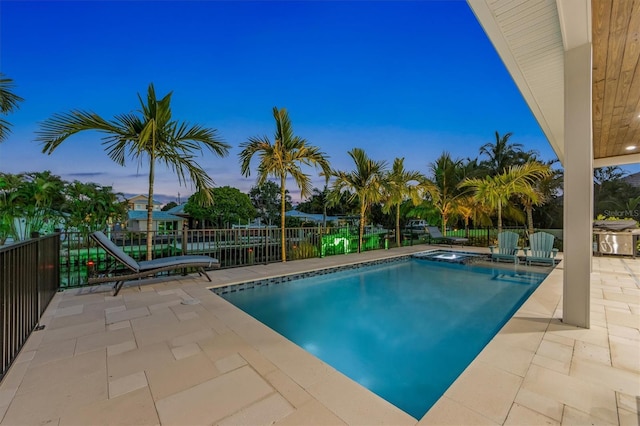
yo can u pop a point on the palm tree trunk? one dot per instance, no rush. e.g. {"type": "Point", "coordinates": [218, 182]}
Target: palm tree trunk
{"type": "Point", "coordinates": [282, 221]}
{"type": "Point", "coordinates": [499, 216]}
{"type": "Point", "coordinates": [324, 217]}
{"type": "Point", "coordinates": [150, 206]}
{"type": "Point", "coordinates": [398, 225]}
{"type": "Point", "coordinates": [445, 218]}
{"type": "Point", "coordinates": [363, 209]}
{"type": "Point", "coordinates": [529, 210]}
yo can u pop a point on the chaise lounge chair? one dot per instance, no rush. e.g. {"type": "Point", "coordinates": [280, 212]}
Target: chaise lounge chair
{"type": "Point", "coordinates": [541, 249]}
{"type": "Point", "coordinates": [507, 247]}
{"type": "Point", "coordinates": [147, 268]}
{"type": "Point", "coordinates": [434, 233]}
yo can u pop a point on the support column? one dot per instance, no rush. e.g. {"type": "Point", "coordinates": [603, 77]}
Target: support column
{"type": "Point", "coordinates": [578, 186]}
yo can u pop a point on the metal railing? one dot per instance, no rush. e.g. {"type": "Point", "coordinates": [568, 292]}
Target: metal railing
{"type": "Point", "coordinates": [80, 258]}
{"type": "Point", "coordinates": [29, 278]}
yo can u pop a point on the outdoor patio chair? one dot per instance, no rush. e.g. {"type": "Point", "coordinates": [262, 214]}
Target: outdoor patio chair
{"type": "Point", "coordinates": [507, 247]}
{"type": "Point", "coordinates": [434, 233]}
{"type": "Point", "coordinates": [540, 249]}
{"type": "Point", "coordinates": [147, 268]}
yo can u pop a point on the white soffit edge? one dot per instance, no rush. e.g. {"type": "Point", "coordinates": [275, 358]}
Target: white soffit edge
{"type": "Point", "coordinates": [616, 161]}
{"type": "Point", "coordinates": [528, 38]}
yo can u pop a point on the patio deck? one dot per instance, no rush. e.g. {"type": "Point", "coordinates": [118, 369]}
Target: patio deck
{"type": "Point", "coordinates": [174, 353]}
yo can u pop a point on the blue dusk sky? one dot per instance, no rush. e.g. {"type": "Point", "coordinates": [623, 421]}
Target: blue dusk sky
{"type": "Point", "coordinates": [399, 79]}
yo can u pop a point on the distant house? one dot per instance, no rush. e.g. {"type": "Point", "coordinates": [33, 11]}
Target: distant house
{"type": "Point", "coordinates": [139, 202]}
{"type": "Point", "coordinates": [162, 221]}
{"type": "Point", "coordinates": [312, 217]}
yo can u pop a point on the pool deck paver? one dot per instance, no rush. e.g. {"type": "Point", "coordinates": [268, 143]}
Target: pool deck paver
{"type": "Point", "coordinates": [171, 352]}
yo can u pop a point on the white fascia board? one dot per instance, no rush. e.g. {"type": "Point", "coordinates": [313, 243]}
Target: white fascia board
{"type": "Point", "coordinates": [620, 160]}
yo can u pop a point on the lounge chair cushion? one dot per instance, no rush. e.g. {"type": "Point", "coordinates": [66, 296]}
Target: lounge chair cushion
{"type": "Point", "coordinates": [147, 267]}
{"type": "Point", "coordinates": [165, 262]}
{"type": "Point", "coordinates": [116, 251]}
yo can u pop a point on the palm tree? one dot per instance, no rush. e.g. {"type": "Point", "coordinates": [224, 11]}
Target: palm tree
{"type": "Point", "coordinates": [90, 206]}
{"type": "Point", "coordinates": [502, 154]}
{"type": "Point", "coordinates": [447, 174]}
{"type": "Point", "coordinates": [320, 199]}
{"type": "Point", "coordinates": [495, 191]}
{"type": "Point", "coordinates": [10, 186]}
{"type": "Point", "coordinates": [151, 133]}
{"type": "Point", "coordinates": [35, 198]}
{"type": "Point", "coordinates": [544, 188]}
{"type": "Point", "coordinates": [8, 103]}
{"type": "Point", "coordinates": [470, 209]}
{"type": "Point", "coordinates": [363, 184]}
{"type": "Point", "coordinates": [282, 158]}
{"type": "Point", "coordinates": [398, 187]}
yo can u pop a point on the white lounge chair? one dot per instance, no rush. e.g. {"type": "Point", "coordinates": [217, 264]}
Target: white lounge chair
{"type": "Point", "coordinates": [147, 268]}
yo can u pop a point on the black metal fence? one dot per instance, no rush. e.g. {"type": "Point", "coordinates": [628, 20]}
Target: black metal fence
{"type": "Point", "coordinates": [484, 237]}
{"type": "Point", "coordinates": [80, 258]}
{"type": "Point", "coordinates": [29, 278]}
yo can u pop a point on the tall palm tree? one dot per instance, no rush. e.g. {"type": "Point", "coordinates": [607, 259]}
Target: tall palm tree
{"type": "Point", "coordinates": [502, 154]}
{"type": "Point", "coordinates": [150, 133]}
{"type": "Point", "coordinates": [495, 191]}
{"type": "Point", "coordinates": [8, 103]}
{"type": "Point", "coordinates": [400, 185]}
{"type": "Point", "coordinates": [363, 184]}
{"type": "Point", "coordinates": [282, 158]}
{"type": "Point", "coordinates": [446, 175]}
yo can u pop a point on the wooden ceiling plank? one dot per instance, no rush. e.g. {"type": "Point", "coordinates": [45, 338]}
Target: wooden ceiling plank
{"type": "Point", "coordinates": [615, 52]}
{"type": "Point", "coordinates": [628, 76]}
{"type": "Point", "coordinates": [601, 15]}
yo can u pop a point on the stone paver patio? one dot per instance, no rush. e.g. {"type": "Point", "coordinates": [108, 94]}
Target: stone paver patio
{"type": "Point", "coordinates": [173, 353]}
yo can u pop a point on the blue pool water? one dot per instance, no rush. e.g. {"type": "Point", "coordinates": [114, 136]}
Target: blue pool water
{"type": "Point", "coordinates": [404, 330]}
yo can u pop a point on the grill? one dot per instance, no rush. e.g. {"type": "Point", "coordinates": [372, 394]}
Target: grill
{"type": "Point", "coordinates": [618, 237]}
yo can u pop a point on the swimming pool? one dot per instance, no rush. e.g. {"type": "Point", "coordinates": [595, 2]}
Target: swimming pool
{"type": "Point", "coordinates": [405, 330]}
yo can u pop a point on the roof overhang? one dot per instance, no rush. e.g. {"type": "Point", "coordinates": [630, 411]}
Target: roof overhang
{"type": "Point", "coordinates": [531, 38]}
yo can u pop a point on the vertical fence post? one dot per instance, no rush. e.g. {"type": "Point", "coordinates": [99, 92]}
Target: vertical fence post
{"type": "Point", "coordinates": [266, 245]}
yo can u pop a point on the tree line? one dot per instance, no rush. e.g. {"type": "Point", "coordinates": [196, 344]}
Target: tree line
{"type": "Point", "coordinates": [504, 182]}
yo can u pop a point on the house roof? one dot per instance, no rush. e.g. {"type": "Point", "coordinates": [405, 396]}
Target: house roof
{"type": "Point", "coordinates": [179, 210]}
{"type": "Point", "coordinates": [312, 217]}
{"type": "Point", "coordinates": [142, 198]}
{"type": "Point", "coordinates": [157, 215]}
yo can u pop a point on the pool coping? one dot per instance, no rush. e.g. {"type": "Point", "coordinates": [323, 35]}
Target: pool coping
{"type": "Point", "coordinates": [433, 416]}
{"type": "Point", "coordinates": [246, 285]}
{"type": "Point", "coordinates": [225, 289]}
